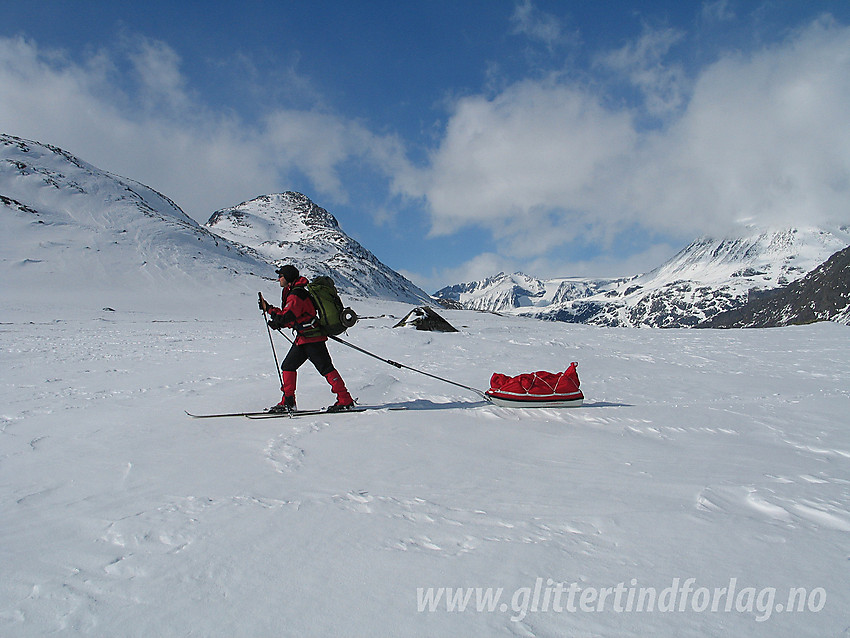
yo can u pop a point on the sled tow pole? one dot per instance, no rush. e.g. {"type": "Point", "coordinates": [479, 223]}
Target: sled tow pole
{"type": "Point", "coordinates": [401, 365]}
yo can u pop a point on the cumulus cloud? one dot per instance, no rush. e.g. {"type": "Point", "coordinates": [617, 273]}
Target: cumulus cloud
{"type": "Point", "coordinates": [130, 110]}
{"type": "Point", "coordinates": [764, 140]}
{"type": "Point", "coordinates": [761, 138]}
{"type": "Point", "coordinates": [547, 166]}
{"type": "Point", "coordinates": [531, 153]}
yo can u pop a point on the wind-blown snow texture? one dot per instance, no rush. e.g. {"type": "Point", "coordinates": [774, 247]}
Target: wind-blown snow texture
{"type": "Point", "coordinates": [708, 277]}
{"type": "Point", "coordinates": [711, 455]}
{"type": "Point", "coordinates": [706, 460]}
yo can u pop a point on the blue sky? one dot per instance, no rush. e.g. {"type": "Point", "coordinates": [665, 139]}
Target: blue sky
{"type": "Point", "coordinates": [455, 139]}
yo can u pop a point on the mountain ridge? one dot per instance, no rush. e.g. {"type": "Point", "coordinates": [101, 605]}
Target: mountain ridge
{"type": "Point", "coordinates": [72, 221]}
{"type": "Point", "coordinates": [706, 278]}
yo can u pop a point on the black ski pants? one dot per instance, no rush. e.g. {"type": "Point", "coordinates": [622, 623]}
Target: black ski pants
{"type": "Point", "coordinates": [316, 352]}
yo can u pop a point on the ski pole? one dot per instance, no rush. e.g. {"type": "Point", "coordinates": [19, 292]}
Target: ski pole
{"type": "Point", "coordinates": [401, 365]}
{"type": "Point", "coordinates": [271, 341]}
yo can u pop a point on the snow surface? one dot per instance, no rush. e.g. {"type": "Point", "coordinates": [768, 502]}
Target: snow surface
{"type": "Point", "coordinates": [706, 455]}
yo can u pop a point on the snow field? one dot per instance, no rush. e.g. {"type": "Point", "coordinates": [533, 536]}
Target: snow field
{"type": "Point", "coordinates": [709, 455]}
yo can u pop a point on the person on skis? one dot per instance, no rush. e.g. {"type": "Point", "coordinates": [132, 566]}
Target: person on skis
{"type": "Point", "coordinates": [298, 312]}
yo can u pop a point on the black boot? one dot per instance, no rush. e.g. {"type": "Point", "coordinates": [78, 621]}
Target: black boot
{"type": "Point", "coordinates": [339, 406]}
{"type": "Point", "coordinates": [286, 405]}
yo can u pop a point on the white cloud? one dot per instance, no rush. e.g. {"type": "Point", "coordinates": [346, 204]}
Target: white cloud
{"type": "Point", "coordinates": [761, 136]}
{"type": "Point", "coordinates": [158, 68]}
{"type": "Point", "coordinates": [313, 143]}
{"type": "Point", "coordinates": [764, 139]}
{"type": "Point", "coordinates": [511, 162]}
{"type": "Point", "coordinates": [318, 143]}
{"type": "Point", "coordinates": [717, 11]}
{"type": "Point", "coordinates": [131, 111]}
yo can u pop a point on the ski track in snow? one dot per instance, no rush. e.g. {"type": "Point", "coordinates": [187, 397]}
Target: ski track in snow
{"type": "Point", "coordinates": [704, 454]}
{"type": "Point", "coordinates": [283, 452]}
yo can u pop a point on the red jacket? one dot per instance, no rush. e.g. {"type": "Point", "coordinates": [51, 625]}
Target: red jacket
{"type": "Point", "coordinates": [297, 309]}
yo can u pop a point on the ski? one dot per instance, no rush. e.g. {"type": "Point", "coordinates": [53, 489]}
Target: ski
{"type": "Point", "coordinates": [278, 415]}
{"type": "Point", "coordinates": [265, 414]}
{"type": "Point", "coordinates": [224, 414]}
{"type": "Point", "coordinates": [297, 413]}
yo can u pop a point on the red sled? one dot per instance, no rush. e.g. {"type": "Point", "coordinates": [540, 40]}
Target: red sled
{"type": "Point", "coordinates": [537, 390]}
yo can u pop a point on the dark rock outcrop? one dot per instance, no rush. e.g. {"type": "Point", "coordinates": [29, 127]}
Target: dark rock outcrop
{"type": "Point", "coordinates": [425, 318]}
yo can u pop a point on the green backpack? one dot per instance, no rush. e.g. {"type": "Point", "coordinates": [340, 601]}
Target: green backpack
{"type": "Point", "coordinates": [332, 318]}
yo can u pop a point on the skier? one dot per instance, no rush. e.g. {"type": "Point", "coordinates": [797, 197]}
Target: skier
{"type": "Point", "coordinates": [298, 312]}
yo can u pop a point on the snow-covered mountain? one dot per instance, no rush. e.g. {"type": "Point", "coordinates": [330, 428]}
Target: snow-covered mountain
{"type": "Point", "coordinates": [66, 223]}
{"type": "Point", "coordinates": [288, 227]}
{"type": "Point", "coordinates": [822, 295]}
{"type": "Point", "coordinates": [504, 293]}
{"type": "Point", "coordinates": [63, 221]}
{"type": "Point", "coordinates": [706, 278]}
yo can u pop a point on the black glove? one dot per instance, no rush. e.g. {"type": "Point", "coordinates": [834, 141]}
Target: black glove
{"type": "Point", "coordinates": [284, 320]}
{"type": "Point", "coordinates": [264, 306]}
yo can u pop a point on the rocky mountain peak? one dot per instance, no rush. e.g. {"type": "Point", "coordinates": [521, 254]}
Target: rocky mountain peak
{"type": "Point", "coordinates": [290, 228]}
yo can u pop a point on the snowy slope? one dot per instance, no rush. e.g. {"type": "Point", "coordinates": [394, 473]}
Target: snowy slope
{"type": "Point", "coordinates": [715, 462]}
{"type": "Point", "coordinates": [70, 229]}
{"type": "Point", "coordinates": [289, 227]}
{"type": "Point", "coordinates": [706, 278]}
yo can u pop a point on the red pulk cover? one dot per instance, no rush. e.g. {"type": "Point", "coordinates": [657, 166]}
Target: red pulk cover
{"type": "Point", "coordinates": [544, 389]}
